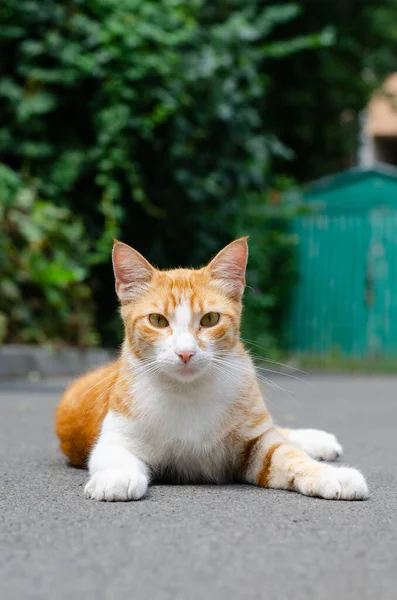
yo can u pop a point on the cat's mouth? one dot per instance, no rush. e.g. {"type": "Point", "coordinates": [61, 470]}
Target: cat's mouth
{"type": "Point", "coordinates": [189, 369]}
{"type": "Point", "coordinates": [187, 372]}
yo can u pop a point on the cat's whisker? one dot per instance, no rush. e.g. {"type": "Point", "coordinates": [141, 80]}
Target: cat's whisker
{"type": "Point", "coordinates": [275, 362]}
{"type": "Point", "coordinates": [269, 360]}
{"type": "Point", "coordinates": [205, 420]}
{"type": "Point", "coordinates": [108, 390]}
{"type": "Point", "coordinates": [291, 395]}
{"type": "Point", "coordinates": [101, 382]}
{"type": "Point", "coordinates": [226, 372]}
{"type": "Point", "coordinates": [281, 373]}
{"type": "Point", "coordinates": [309, 383]}
{"type": "Point", "coordinates": [245, 369]}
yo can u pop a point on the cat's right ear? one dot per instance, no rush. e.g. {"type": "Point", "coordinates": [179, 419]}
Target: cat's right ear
{"type": "Point", "coordinates": [131, 270]}
{"type": "Point", "coordinates": [228, 268]}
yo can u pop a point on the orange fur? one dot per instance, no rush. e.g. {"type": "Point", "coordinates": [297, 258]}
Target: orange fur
{"type": "Point", "coordinates": [81, 411]}
{"type": "Point", "coordinates": [86, 402]}
{"type": "Point", "coordinates": [162, 415]}
{"type": "Point", "coordinates": [248, 452]}
{"type": "Point", "coordinates": [264, 475]}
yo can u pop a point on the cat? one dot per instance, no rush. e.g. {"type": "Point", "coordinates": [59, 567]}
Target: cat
{"type": "Point", "coordinates": [183, 403]}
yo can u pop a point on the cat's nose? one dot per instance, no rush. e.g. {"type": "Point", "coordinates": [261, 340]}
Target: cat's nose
{"type": "Point", "coordinates": [186, 355]}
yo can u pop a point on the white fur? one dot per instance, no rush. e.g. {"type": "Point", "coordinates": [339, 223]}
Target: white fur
{"type": "Point", "coordinates": [180, 425]}
{"type": "Point", "coordinates": [312, 478]}
{"type": "Point", "coordinates": [335, 483]}
{"type": "Point", "coordinates": [116, 473]}
{"type": "Point", "coordinates": [116, 485]}
{"type": "Point", "coordinates": [177, 430]}
{"type": "Point", "coordinates": [183, 417]}
{"type": "Point", "coordinates": [317, 444]}
{"type": "Point", "coordinates": [179, 419]}
{"type": "Point", "coordinates": [181, 339]}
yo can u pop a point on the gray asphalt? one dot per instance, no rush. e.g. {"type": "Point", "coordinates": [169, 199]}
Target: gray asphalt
{"type": "Point", "coordinates": [194, 542]}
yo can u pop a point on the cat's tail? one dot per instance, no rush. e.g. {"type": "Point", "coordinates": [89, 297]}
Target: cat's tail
{"type": "Point", "coordinates": [81, 411]}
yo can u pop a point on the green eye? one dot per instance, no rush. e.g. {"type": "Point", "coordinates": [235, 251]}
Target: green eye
{"type": "Point", "coordinates": [158, 321]}
{"type": "Point", "coordinates": [210, 319]}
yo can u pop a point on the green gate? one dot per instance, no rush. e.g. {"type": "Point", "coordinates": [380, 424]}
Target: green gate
{"type": "Point", "coordinates": [345, 300]}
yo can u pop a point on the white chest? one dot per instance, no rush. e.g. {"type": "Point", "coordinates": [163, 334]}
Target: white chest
{"type": "Point", "coordinates": [182, 435]}
{"type": "Point", "coordinates": [193, 452]}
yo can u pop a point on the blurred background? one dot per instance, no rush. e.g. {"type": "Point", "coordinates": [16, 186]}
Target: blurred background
{"type": "Point", "coordinates": [178, 125]}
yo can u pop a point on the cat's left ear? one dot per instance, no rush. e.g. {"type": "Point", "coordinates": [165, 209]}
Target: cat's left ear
{"type": "Point", "coordinates": [132, 271]}
{"type": "Point", "coordinates": [228, 267]}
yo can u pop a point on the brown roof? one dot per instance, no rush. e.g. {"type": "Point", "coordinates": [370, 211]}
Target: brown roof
{"type": "Point", "coordinates": [382, 109]}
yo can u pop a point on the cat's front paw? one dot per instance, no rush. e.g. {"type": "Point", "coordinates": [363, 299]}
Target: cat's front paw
{"type": "Point", "coordinates": [116, 486]}
{"type": "Point", "coordinates": [336, 483]}
{"type": "Point", "coordinates": [317, 444]}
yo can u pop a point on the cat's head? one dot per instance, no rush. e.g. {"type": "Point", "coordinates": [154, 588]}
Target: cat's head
{"type": "Point", "coordinates": [183, 322]}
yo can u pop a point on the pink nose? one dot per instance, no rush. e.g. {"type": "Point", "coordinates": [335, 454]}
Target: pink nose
{"type": "Point", "coordinates": [186, 355]}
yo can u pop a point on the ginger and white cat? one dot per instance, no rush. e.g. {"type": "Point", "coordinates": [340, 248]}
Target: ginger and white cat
{"type": "Point", "coordinates": [183, 403]}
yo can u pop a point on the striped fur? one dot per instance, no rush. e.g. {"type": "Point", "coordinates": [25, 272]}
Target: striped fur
{"type": "Point", "coordinates": [182, 402]}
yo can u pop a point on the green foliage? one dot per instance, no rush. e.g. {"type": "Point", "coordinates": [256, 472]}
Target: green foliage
{"type": "Point", "coordinates": [163, 124]}
{"type": "Point", "coordinates": [140, 105]}
{"type": "Point", "coordinates": [318, 117]}
{"type": "Point", "coordinates": [43, 263]}
{"type": "Point", "coordinates": [270, 269]}
{"type": "Point", "coordinates": [143, 117]}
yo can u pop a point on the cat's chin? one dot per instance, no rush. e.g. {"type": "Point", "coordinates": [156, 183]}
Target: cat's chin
{"type": "Point", "coordinates": [186, 374]}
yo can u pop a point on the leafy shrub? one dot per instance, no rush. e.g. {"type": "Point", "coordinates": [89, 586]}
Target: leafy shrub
{"type": "Point", "coordinates": [42, 269]}
{"type": "Point", "coordinates": [147, 119]}
{"type": "Point", "coordinates": [271, 269]}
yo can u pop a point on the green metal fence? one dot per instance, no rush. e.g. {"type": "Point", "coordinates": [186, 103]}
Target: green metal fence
{"type": "Point", "coordinates": [345, 300]}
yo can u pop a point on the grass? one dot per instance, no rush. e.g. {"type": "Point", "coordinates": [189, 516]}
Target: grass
{"type": "Point", "coordinates": [343, 364]}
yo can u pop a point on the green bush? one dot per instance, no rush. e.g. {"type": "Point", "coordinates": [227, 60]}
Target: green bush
{"type": "Point", "coordinates": [43, 265]}
{"type": "Point", "coordinates": [271, 269]}
{"type": "Point", "coordinates": [146, 119]}
{"type": "Point", "coordinates": [316, 101]}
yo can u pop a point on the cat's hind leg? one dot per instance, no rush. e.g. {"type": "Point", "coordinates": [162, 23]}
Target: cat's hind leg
{"type": "Point", "coordinates": [270, 461]}
{"type": "Point", "coordinates": [316, 443]}
{"type": "Point", "coordinates": [116, 474]}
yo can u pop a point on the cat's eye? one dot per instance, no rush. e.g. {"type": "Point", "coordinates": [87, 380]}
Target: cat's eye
{"type": "Point", "coordinates": [210, 319]}
{"type": "Point", "coordinates": [158, 320]}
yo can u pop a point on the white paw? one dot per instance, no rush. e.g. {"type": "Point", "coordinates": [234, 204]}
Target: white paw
{"type": "Point", "coordinates": [336, 483]}
{"type": "Point", "coordinates": [116, 486]}
{"type": "Point", "coordinates": [317, 444]}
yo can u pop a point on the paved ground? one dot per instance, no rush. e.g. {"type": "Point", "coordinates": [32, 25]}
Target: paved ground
{"type": "Point", "coordinates": [194, 542]}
